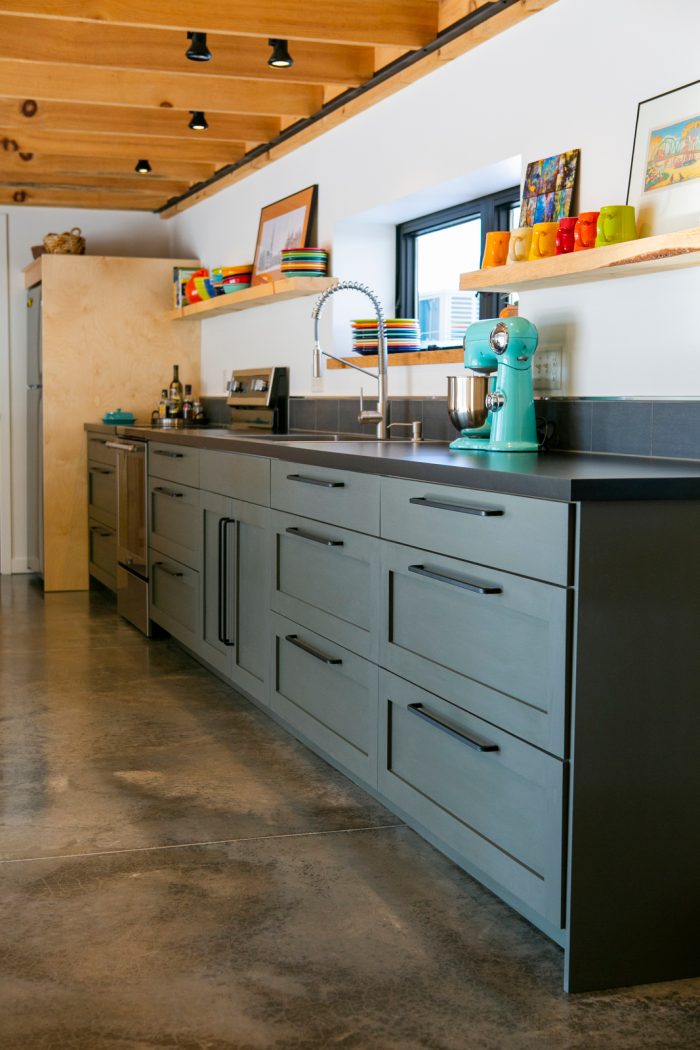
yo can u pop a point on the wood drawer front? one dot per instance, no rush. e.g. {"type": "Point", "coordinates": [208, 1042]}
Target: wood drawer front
{"type": "Point", "coordinates": [500, 813]}
{"type": "Point", "coordinates": [500, 655]}
{"type": "Point", "coordinates": [241, 477]}
{"type": "Point", "coordinates": [174, 521]}
{"type": "Point", "coordinates": [174, 463]}
{"type": "Point", "coordinates": [326, 578]}
{"type": "Point", "coordinates": [174, 597]}
{"type": "Point", "coordinates": [527, 536]}
{"type": "Point", "coordinates": [328, 694]}
{"type": "Point", "coordinates": [102, 553]}
{"type": "Point", "coordinates": [339, 497]}
{"type": "Point", "coordinates": [102, 493]}
{"type": "Point", "coordinates": [97, 450]}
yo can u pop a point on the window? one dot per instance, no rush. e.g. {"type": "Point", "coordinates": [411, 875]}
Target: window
{"type": "Point", "coordinates": [433, 250]}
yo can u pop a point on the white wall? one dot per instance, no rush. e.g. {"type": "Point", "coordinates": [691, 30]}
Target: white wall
{"type": "Point", "coordinates": [106, 233]}
{"type": "Point", "coordinates": [513, 97]}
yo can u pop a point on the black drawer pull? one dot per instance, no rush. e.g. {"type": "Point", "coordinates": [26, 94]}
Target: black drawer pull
{"type": "Point", "coordinates": [481, 512]}
{"type": "Point", "coordinates": [223, 574]}
{"type": "Point", "coordinates": [470, 741]}
{"type": "Point", "coordinates": [316, 481]}
{"type": "Point", "coordinates": [101, 532]}
{"type": "Point", "coordinates": [168, 572]}
{"type": "Point", "coordinates": [170, 455]}
{"type": "Point", "coordinates": [98, 441]}
{"type": "Point", "coordinates": [168, 492]}
{"type": "Point", "coordinates": [420, 570]}
{"type": "Point", "coordinates": [294, 531]}
{"type": "Point", "coordinates": [101, 470]}
{"type": "Point", "coordinates": [293, 639]}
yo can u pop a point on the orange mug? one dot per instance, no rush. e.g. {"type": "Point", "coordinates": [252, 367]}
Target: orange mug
{"type": "Point", "coordinates": [496, 249]}
{"type": "Point", "coordinates": [585, 230]}
{"type": "Point", "coordinates": [565, 236]}
{"type": "Point", "coordinates": [544, 240]}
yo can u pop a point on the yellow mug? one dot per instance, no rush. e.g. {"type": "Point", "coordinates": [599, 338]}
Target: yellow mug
{"type": "Point", "coordinates": [520, 241]}
{"type": "Point", "coordinates": [616, 223]}
{"type": "Point", "coordinates": [495, 249]}
{"type": "Point", "coordinates": [544, 240]}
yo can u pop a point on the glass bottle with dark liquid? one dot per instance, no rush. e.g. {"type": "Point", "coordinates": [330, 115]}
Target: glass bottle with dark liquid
{"type": "Point", "coordinates": [175, 394]}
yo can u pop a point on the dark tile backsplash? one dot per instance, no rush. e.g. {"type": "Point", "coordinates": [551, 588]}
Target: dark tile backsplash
{"type": "Point", "coordinates": [617, 426]}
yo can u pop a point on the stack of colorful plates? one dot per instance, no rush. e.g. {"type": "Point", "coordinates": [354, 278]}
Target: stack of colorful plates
{"type": "Point", "coordinates": [304, 262]}
{"type": "Point", "coordinates": [402, 333]}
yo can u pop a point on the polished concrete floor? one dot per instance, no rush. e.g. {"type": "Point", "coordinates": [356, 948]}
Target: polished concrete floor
{"type": "Point", "coordinates": [178, 873]}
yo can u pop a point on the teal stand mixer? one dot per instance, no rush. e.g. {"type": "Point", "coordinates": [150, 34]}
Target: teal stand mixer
{"type": "Point", "coordinates": [493, 405]}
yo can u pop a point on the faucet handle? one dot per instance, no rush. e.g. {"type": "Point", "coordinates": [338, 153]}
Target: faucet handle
{"type": "Point", "coordinates": [368, 415]}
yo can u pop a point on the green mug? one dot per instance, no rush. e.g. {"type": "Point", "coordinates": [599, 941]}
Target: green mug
{"type": "Point", "coordinates": [616, 223]}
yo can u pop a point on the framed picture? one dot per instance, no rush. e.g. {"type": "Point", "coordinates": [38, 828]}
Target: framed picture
{"type": "Point", "coordinates": [548, 190]}
{"type": "Point", "coordinates": [284, 224]}
{"type": "Point", "coordinates": [664, 185]}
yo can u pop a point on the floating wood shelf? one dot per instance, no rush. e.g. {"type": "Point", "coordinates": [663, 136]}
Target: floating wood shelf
{"type": "Point", "coordinates": [647, 255]}
{"type": "Point", "coordinates": [259, 295]}
{"type": "Point", "coordinates": [413, 357]}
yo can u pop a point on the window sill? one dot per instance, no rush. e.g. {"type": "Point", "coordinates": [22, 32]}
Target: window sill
{"type": "Point", "coordinates": [414, 357]}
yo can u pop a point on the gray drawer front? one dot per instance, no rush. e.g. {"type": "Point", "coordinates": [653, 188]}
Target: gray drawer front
{"type": "Point", "coordinates": [241, 477]}
{"type": "Point", "coordinates": [326, 578]}
{"type": "Point", "coordinates": [339, 497]}
{"type": "Point", "coordinates": [102, 553]}
{"type": "Point", "coordinates": [102, 493]}
{"type": "Point", "coordinates": [333, 705]}
{"type": "Point", "coordinates": [527, 536]}
{"type": "Point", "coordinates": [97, 450]}
{"type": "Point", "coordinates": [499, 812]}
{"type": "Point", "coordinates": [500, 655]}
{"type": "Point", "coordinates": [174, 597]}
{"type": "Point", "coordinates": [174, 521]}
{"type": "Point", "coordinates": [174, 463]}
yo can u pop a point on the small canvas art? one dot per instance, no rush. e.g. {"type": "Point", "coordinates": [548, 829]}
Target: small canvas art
{"type": "Point", "coordinates": [673, 154]}
{"type": "Point", "coordinates": [549, 188]}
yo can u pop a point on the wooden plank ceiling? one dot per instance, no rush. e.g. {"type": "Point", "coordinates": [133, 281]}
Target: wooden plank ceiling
{"type": "Point", "coordinates": [90, 87]}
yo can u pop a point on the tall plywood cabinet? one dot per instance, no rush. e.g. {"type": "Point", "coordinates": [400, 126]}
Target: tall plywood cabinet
{"type": "Point", "coordinates": [107, 342]}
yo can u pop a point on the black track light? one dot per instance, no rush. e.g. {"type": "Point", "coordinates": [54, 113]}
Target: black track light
{"type": "Point", "coordinates": [280, 57]}
{"type": "Point", "coordinates": [143, 167]}
{"type": "Point", "coordinates": [198, 50]}
{"type": "Point", "coordinates": [198, 122]}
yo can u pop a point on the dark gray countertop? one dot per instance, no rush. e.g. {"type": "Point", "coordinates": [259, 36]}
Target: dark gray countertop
{"type": "Point", "coordinates": [550, 475]}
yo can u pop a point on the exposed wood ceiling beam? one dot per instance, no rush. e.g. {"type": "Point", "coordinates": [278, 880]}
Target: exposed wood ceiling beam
{"type": "Point", "coordinates": [88, 43]}
{"type": "Point", "coordinates": [406, 23]}
{"type": "Point", "coordinates": [149, 184]}
{"type": "Point", "coordinates": [128, 200]}
{"type": "Point", "coordinates": [62, 168]}
{"type": "Point", "coordinates": [83, 144]}
{"type": "Point", "coordinates": [185, 91]}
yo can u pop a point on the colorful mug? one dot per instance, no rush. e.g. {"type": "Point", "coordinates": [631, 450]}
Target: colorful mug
{"type": "Point", "coordinates": [616, 223]}
{"type": "Point", "coordinates": [565, 235]}
{"type": "Point", "coordinates": [520, 241]}
{"type": "Point", "coordinates": [496, 249]}
{"type": "Point", "coordinates": [585, 230]}
{"type": "Point", "coordinates": [544, 240]}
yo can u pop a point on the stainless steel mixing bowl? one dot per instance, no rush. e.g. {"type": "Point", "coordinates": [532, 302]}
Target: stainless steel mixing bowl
{"type": "Point", "coordinates": [466, 399]}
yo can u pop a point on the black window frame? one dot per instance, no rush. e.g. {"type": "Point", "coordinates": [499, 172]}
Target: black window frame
{"type": "Point", "coordinates": [494, 212]}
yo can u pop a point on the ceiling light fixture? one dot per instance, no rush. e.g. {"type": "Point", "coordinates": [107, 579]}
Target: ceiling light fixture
{"type": "Point", "coordinates": [198, 50]}
{"type": "Point", "coordinates": [280, 57]}
{"type": "Point", "coordinates": [143, 167]}
{"type": "Point", "coordinates": [198, 122]}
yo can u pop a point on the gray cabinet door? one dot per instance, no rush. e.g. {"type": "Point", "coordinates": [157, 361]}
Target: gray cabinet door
{"type": "Point", "coordinates": [339, 497]}
{"type": "Point", "coordinates": [174, 598]}
{"type": "Point", "coordinates": [238, 476]}
{"type": "Point", "coordinates": [492, 642]}
{"type": "Point", "coordinates": [102, 493]}
{"type": "Point", "coordinates": [217, 641]}
{"type": "Point", "coordinates": [174, 462]}
{"type": "Point", "coordinates": [492, 802]}
{"type": "Point", "coordinates": [174, 522]}
{"type": "Point", "coordinates": [102, 554]}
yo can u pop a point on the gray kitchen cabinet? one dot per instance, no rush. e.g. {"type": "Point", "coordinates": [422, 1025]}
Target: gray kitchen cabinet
{"type": "Point", "coordinates": [338, 497]}
{"type": "Point", "coordinates": [174, 462]}
{"type": "Point", "coordinates": [231, 474]}
{"type": "Point", "coordinates": [174, 526]}
{"type": "Point", "coordinates": [102, 510]}
{"type": "Point", "coordinates": [233, 632]}
{"type": "Point", "coordinates": [174, 597]}
{"type": "Point", "coordinates": [328, 696]}
{"type": "Point", "coordinates": [102, 553]}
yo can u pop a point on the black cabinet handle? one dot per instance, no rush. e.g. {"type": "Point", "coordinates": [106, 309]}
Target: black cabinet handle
{"type": "Point", "coordinates": [223, 581]}
{"type": "Point", "coordinates": [101, 470]}
{"type": "Point", "coordinates": [294, 531]}
{"type": "Point", "coordinates": [316, 481]}
{"type": "Point", "coordinates": [170, 455]}
{"type": "Point", "coordinates": [166, 570]}
{"type": "Point", "coordinates": [101, 532]}
{"type": "Point", "coordinates": [470, 741]}
{"type": "Point", "coordinates": [168, 492]}
{"type": "Point", "coordinates": [482, 512]}
{"type": "Point", "coordinates": [294, 639]}
{"type": "Point", "coordinates": [476, 588]}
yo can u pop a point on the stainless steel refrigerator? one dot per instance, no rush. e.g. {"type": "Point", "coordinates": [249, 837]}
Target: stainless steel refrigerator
{"type": "Point", "coordinates": [35, 473]}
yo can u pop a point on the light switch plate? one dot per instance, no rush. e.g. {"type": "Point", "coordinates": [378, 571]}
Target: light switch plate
{"type": "Point", "coordinates": [546, 368]}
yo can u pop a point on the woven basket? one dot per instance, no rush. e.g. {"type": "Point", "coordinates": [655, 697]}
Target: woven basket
{"type": "Point", "coordinates": [65, 243]}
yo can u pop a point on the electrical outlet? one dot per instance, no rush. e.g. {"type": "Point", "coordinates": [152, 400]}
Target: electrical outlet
{"type": "Point", "coordinates": [546, 369]}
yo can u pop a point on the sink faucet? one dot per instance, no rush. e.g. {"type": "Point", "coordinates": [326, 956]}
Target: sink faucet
{"type": "Point", "coordinates": [380, 414]}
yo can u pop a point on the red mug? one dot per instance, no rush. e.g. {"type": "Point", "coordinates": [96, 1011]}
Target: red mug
{"type": "Point", "coordinates": [565, 236]}
{"type": "Point", "coordinates": [585, 230]}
